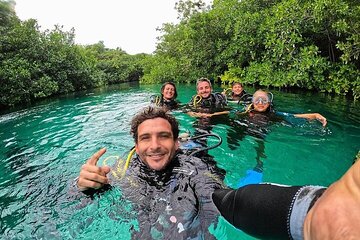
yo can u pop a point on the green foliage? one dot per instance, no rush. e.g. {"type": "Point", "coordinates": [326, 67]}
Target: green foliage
{"type": "Point", "coordinates": [234, 74]}
{"type": "Point", "coordinates": [188, 8]}
{"type": "Point", "coordinates": [311, 44]}
{"type": "Point", "coordinates": [7, 13]}
{"type": "Point", "coordinates": [344, 78]}
{"type": "Point", "coordinates": [44, 87]}
{"type": "Point", "coordinates": [15, 87]}
{"type": "Point", "coordinates": [282, 43]}
{"type": "Point", "coordinates": [35, 64]}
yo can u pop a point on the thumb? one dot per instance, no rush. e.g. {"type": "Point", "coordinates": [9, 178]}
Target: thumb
{"type": "Point", "coordinates": [105, 169]}
{"type": "Point", "coordinates": [95, 158]}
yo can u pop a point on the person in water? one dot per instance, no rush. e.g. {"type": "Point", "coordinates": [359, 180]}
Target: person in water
{"type": "Point", "coordinates": [237, 93]}
{"type": "Point", "coordinates": [256, 120]}
{"type": "Point", "coordinates": [262, 104]}
{"type": "Point", "coordinates": [205, 100]}
{"type": "Point", "coordinates": [167, 98]}
{"type": "Point", "coordinates": [170, 191]}
{"type": "Point", "coordinates": [295, 212]}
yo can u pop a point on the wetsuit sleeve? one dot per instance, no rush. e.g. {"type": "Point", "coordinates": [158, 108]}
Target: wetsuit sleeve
{"type": "Point", "coordinates": [268, 210]}
{"type": "Point", "coordinates": [290, 118]}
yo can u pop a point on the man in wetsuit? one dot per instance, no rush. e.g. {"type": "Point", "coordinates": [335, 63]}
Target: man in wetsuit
{"type": "Point", "coordinates": [205, 100]}
{"type": "Point", "coordinates": [170, 191]}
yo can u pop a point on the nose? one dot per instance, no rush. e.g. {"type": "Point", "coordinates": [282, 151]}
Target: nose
{"type": "Point", "coordinates": [155, 144]}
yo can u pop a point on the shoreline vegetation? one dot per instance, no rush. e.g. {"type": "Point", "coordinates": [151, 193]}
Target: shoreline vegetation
{"type": "Point", "coordinates": [310, 45]}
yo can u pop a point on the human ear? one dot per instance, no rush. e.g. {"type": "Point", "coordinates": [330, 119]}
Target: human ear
{"type": "Point", "coordinates": [136, 149]}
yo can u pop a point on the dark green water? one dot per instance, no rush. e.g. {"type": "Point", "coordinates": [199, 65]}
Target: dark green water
{"type": "Point", "coordinates": [43, 147]}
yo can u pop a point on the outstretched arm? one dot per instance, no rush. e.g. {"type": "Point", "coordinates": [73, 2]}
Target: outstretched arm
{"type": "Point", "coordinates": [267, 210]}
{"type": "Point", "coordinates": [308, 212]}
{"type": "Point", "coordinates": [219, 113]}
{"type": "Point", "coordinates": [336, 214]}
{"type": "Point", "coordinates": [316, 116]}
{"type": "Point", "coordinates": [200, 114]}
{"type": "Point", "coordinates": [92, 176]}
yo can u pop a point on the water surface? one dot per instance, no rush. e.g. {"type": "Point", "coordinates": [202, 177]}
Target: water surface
{"type": "Point", "coordinates": [44, 146]}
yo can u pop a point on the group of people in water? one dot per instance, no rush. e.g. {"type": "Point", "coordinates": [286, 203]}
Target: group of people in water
{"type": "Point", "coordinates": [178, 196]}
{"type": "Point", "coordinates": [207, 103]}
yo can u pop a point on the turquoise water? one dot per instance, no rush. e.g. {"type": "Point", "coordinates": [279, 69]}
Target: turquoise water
{"type": "Point", "coordinates": [44, 146]}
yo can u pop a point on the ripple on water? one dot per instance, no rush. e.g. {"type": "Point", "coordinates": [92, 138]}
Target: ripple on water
{"type": "Point", "coordinates": [45, 146]}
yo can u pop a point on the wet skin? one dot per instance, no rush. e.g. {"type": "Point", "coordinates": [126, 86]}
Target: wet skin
{"type": "Point", "coordinates": [237, 89]}
{"type": "Point", "coordinates": [204, 89]}
{"type": "Point", "coordinates": [168, 92]}
{"type": "Point", "coordinates": [155, 144]}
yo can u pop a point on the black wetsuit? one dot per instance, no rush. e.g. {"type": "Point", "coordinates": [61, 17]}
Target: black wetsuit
{"type": "Point", "coordinates": [268, 210]}
{"type": "Point", "coordinates": [174, 203]}
{"type": "Point", "coordinates": [243, 97]}
{"type": "Point", "coordinates": [159, 101]}
{"type": "Point", "coordinates": [214, 103]}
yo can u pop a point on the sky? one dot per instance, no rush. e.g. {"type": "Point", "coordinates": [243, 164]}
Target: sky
{"type": "Point", "coordinates": [128, 24]}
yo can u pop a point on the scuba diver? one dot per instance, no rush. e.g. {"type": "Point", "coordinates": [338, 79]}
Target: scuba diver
{"type": "Point", "coordinates": [237, 93]}
{"type": "Point", "coordinates": [170, 191]}
{"type": "Point", "coordinates": [262, 103]}
{"type": "Point", "coordinates": [167, 98]}
{"type": "Point", "coordinates": [205, 101]}
{"type": "Point", "coordinates": [255, 121]}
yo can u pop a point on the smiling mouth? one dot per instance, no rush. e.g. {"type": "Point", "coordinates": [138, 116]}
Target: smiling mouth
{"type": "Point", "coordinates": [156, 156]}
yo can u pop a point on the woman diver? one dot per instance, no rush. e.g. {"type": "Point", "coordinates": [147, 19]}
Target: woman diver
{"type": "Point", "coordinates": [255, 121]}
{"type": "Point", "coordinates": [167, 98]}
{"type": "Point", "coordinates": [262, 102]}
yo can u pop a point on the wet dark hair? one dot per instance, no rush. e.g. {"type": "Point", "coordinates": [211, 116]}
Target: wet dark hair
{"type": "Point", "coordinates": [172, 84]}
{"type": "Point", "coordinates": [151, 113]}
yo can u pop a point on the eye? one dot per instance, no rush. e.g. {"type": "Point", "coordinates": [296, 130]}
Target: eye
{"type": "Point", "coordinates": [144, 138]}
{"type": "Point", "coordinates": [165, 135]}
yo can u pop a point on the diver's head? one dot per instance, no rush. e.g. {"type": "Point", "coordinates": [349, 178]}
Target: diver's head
{"type": "Point", "coordinates": [237, 88]}
{"type": "Point", "coordinates": [155, 133]}
{"type": "Point", "coordinates": [168, 90]}
{"type": "Point", "coordinates": [203, 87]}
{"type": "Point", "coordinates": [261, 101]}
